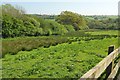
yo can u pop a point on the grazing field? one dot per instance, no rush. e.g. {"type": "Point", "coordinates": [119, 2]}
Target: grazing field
{"type": "Point", "coordinates": [68, 56]}
{"type": "Point", "coordinates": [104, 32]}
{"type": "Point", "coordinates": [14, 45]}
{"type": "Point", "coordinates": [60, 61]}
{"type": "Point", "coordinates": [59, 46]}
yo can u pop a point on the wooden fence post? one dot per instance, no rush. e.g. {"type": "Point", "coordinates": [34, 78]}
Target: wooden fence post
{"type": "Point", "coordinates": [110, 67]}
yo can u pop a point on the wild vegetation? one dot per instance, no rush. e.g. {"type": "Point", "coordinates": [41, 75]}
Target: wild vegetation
{"type": "Point", "coordinates": [103, 22]}
{"type": "Point", "coordinates": [53, 46]}
{"type": "Point", "coordinates": [16, 23]}
{"type": "Point", "coordinates": [13, 46]}
{"type": "Point", "coordinates": [74, 19]}
{"type": "Point", "coordinates": [20, 24]}
{"type": "Point", "coordinates": [61, 61]}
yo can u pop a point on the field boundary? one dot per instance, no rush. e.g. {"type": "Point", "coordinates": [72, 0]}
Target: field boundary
{"type": "Point", "coordinates": [106, 64]}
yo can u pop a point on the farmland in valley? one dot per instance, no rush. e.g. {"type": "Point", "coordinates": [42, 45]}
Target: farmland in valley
{"type": "Point", "coordinates": [53, 46]}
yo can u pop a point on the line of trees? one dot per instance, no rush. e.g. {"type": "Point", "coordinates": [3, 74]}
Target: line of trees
{"type": "Point", "coordinates": [102, 22]}
{"type": "Point", "coordinates": [16, 23]}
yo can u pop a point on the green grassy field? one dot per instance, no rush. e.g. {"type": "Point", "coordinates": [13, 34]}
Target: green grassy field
{"type": "Point", "coordinates": [104, 32]}
{"type": "Point", "coordinates": [71, 59]}
{"type": "Point", "coordinates": [64, 60]}
{"type": "Point", "coordinates": [14, 45]}
{"type": "Point", "coordinates": [42, 46]}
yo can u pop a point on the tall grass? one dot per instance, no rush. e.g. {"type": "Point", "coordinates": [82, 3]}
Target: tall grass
{"type": "Point", "coordinates": [12, 46]}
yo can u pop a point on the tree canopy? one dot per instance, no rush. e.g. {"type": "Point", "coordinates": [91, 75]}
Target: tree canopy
{"type": "Point", "coordinates": [74, 19]}
{"type": "Point", "coordinates": [16, 23]}
{"type": "Point", "coordinates": [102, 22]}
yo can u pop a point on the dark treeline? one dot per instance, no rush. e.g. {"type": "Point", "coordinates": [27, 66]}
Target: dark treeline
{"type": "Point", "coordinates": [16, 23]}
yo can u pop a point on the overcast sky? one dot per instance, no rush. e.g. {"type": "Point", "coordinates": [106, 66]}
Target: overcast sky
{"type": "Point", "coordinates": [84, 7]}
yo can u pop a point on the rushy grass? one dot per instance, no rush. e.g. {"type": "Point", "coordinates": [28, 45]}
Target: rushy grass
{"type": "Point", "coordinates": [60, 61]}
{"type": "Point", "coordinates": [14, 45]}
